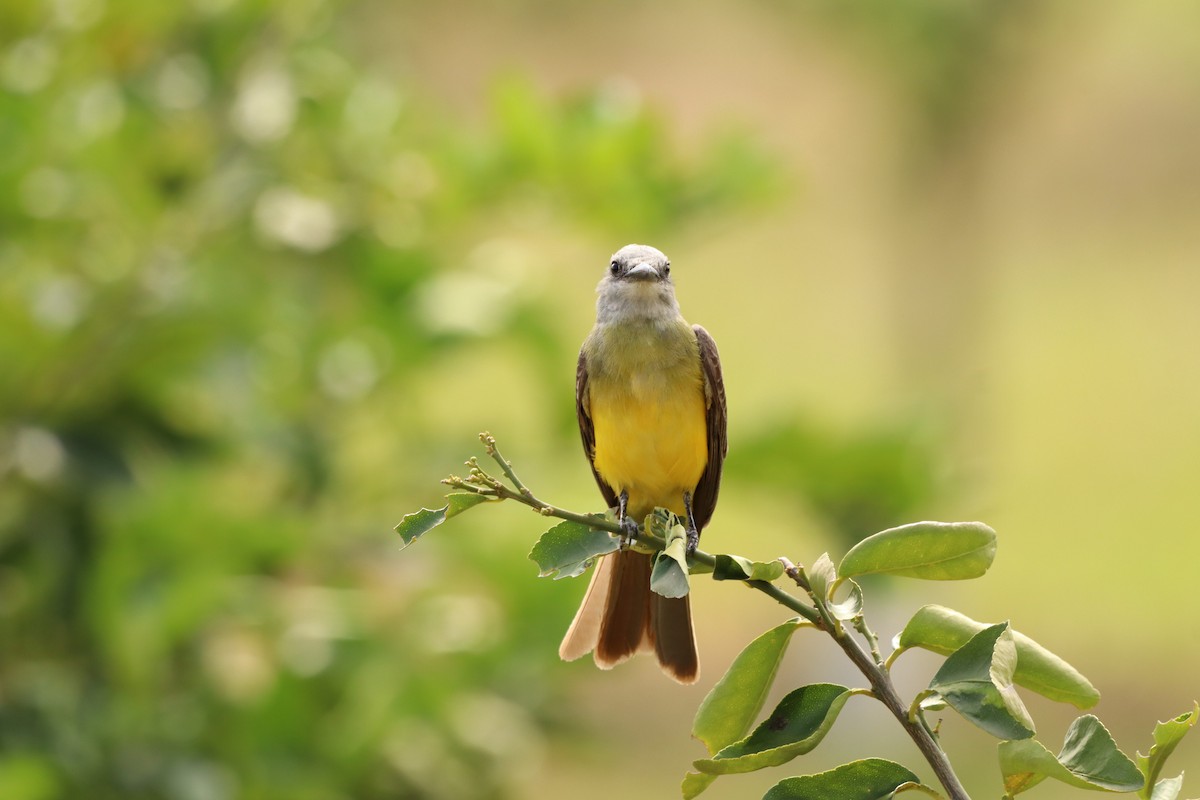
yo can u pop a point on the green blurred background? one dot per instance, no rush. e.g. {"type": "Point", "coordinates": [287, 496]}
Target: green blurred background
{"type": "Point", "coordinates": [268, 266]}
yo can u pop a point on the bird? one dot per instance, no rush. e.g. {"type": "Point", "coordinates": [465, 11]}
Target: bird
{"type": "Point", "coordinates": [650, 401]}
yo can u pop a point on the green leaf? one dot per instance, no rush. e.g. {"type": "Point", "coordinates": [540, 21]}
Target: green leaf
{"type": "Point", "coordinates": [736, 568]}
{"type": "Point", "coordinates": [415, 525]}
{"type": "Point", "coordinates": [1089, 760]}
{"type": "Point", "coordinates": [824, 581]}
{"type": "Point", "coordinates": [869, 779]}
{"type": "Point", "coordinates": [661, 522]}
{"type": "Point", "coordinates": [1167, 736]}
{"type": "Point", "coordinates": [849, 608]}
{"type": "Point", "coordinates": [569, 548]}
{"type": "Point", "coordinates": [976, 680]}
{"type": "Point", "coordinates": [1089, 749]}
{"type": "Point", "coordinates": [694, 783]}
{"type": "Point", "coordinates": [1166, 789]}
{"type": "Point", "coordinates": [731, 706]}
{"type": "Point", "coordinates": [796, 726]}
{"type": "Point", "coordinates": [458, 502]}
{"type": "Point", "coordinates": [669, 577]}
{"type": "Point", "coordinates": [943, 630]}
{"type": "Point", "coordinates": [822, 575]}
{"type": "Point", "coordinates": [941, 551]}
{"type": "Point", "coordinates": [419, 523]}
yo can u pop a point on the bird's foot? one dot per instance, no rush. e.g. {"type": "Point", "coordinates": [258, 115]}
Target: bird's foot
{"type": "Point", "coordinates": [693, 534]}
{"type": "Point", "coordinates": [629, 527]}
{"type": "Point", "coordinates": [629, 532]}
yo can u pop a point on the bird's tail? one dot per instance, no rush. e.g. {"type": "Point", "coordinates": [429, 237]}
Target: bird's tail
{"type": "Point", "coordinates": [621, 616]}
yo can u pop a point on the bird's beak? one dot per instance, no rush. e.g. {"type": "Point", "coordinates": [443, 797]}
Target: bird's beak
{"type": "Point", "coordinates": [643, 272]}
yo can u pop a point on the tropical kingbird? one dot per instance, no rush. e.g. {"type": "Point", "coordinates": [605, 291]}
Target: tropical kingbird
{"type": "Point", "coordinates": [651, 408]}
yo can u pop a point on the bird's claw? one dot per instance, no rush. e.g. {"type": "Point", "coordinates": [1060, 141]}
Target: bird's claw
{"type": "Point", "coordinates": [693, 535]}
{"type": "Point", "coordinates": [629, 532]}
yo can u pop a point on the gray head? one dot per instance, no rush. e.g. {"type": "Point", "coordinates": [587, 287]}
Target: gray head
{"type": "Point", "coordinates": [637, 283]}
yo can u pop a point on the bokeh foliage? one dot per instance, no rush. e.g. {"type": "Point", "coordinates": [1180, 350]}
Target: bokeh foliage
{"type": "Point", "coordinates": [229, 249]}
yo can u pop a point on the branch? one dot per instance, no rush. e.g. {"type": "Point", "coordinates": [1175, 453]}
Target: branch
{"type": "Point", "coordinates": [869, 664]}
{"type": "Point", "coordinates": [885, 692]}
{"type": "Point", "coordinates": [480, 482]}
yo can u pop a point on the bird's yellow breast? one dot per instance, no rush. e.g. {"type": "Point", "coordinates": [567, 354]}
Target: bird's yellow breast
{"type": "Point", "coordinates": [651, 434]}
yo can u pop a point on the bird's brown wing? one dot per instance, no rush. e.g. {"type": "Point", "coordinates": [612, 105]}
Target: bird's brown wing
{"type": "Point", "coordinates": [587, 431]}
{"type": "Point", "coordinates": [704, 499]}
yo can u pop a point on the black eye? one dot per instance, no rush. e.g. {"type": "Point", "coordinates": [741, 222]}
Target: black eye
{"type": "Point", "coordinates": [614, 267]}
{"type": "Point", "coordinates": [667, 269]}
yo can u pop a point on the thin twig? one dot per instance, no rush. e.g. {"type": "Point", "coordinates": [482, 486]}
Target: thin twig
{"type": "Point", "coordinates": [860, 625]}
{"type": "Point", "coordinates": [482, 483]}
{"type": "Point", "coordinates": [489, 444]}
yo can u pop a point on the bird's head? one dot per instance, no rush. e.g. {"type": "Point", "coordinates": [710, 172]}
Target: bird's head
{"type": "Point", "coordinates": [636, 263]}
{"type": "Point", "coordinates": [637, 283]}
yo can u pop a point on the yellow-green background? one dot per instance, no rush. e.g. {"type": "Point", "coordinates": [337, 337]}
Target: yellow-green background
{"type": "Point", "coordinates": [267, 267]}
